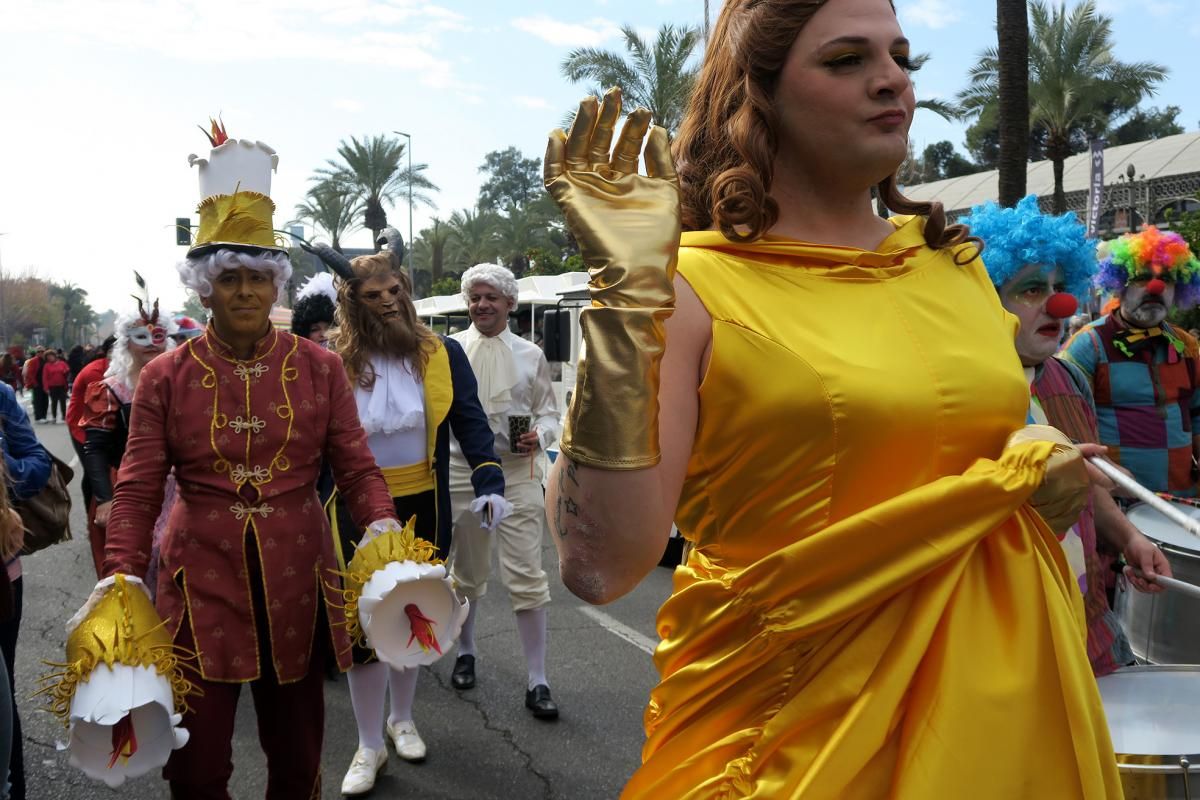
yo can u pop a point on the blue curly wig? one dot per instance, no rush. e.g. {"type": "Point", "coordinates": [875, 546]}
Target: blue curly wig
{"type": "Point", "coordinates": [1015, 237]}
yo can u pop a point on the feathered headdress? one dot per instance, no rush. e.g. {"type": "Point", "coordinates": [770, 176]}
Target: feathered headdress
{"type": "Point", "coordinates": [315, 302]}
{"type": "Point", "coordinates": [1023, 235]}
{"type": "Point", "coordinates": [1151, 253]}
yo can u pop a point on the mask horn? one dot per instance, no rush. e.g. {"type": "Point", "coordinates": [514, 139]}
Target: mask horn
{"type": "Point", "coordinates": [395, 245]}
{"type": "Point", "coordinates": [337, 263]}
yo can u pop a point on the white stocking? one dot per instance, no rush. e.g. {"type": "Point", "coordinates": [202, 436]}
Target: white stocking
{"type": "Point", "coordinates": [466, 638]}
{"type": "Point", "coordinates": [531, 624]}
{"type": "Point", "coordinates": [368, 683]}
{"type": "Point", "coordinates": [403, 685]}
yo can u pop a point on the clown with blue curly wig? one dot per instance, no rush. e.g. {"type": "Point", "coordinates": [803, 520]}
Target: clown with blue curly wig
{"type": "Point", "coordinates": [1041, 265]}
{"type": "Point", "coordinates": [1143, 368]}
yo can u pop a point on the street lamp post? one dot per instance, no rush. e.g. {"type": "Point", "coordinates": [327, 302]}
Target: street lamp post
{"type": "Point", "coordinates": [1130, 179]}
{"type": "Point", "coordinates": [412, 267]}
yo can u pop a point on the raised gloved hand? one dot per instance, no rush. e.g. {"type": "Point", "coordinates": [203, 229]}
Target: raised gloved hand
{"type": "Point", "coordinates": [491, 510]}
{"type": "Point", "coordinates": [627, 226]}
{"type": "Point", "coordinates": [1065, 486]}
{"type": "Point", "coordinates": [102, 588]}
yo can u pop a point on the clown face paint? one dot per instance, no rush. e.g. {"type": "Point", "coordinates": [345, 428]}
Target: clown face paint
{"type": "Point", "coordinates": [1025, 296]}
{"type": "Point", "coordinates": [1143, 309]}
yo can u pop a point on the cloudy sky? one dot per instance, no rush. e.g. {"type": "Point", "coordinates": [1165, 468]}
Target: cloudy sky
{"type": "Point", "coordinates": [101, 99]}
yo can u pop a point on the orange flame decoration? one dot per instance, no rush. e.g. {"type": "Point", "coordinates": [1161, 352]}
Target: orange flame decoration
{"type": "Point", "coordinates": [218, 135]}
{"type": "Point", "coordinates": [124, 741]}
{"type": "Point", "coordinates": [422, 629]}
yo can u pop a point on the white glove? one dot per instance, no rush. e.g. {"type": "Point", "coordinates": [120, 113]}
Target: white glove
{"type": "Point", "coordinates": [97, 594]}
{"type": "Point", "coordinates": [380, 527]}
{"type": "Point", "coordinates": [491, 510]}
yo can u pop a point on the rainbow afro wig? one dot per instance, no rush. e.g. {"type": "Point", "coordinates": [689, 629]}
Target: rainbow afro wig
{"type": "Point", "coordinates": [1152, 253]}
{"type": "Point", "coordinates": [1016, 237]}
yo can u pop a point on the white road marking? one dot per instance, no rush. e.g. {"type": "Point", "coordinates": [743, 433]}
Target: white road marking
{"type": "Point", "coordinates": [613, 626]}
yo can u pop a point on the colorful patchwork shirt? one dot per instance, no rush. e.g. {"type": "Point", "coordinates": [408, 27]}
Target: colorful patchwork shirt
{"type": "Point", "coordinates": [1147, 406]}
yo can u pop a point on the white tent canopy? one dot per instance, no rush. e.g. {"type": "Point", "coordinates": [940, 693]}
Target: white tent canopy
{"type": "Point", "coordinates": [536, 290]}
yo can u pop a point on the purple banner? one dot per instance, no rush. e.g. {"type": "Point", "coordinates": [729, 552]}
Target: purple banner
{"type": "Point", "coordinates": [1096, 188]}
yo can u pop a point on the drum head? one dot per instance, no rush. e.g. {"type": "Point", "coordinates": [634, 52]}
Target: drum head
{"type": "Point", "coordinates": [1155, 524]}
{"type": "Point", "coordinates": [1153, 710]}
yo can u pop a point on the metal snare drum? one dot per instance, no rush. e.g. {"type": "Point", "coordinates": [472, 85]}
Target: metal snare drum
{"type": "Point", "coordinates": [1164, 628]}
{"type": "Point", "coordinates": [1152, 717]}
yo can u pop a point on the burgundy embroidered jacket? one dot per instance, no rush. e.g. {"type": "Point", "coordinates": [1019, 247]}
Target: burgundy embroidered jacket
{"type": "Point", "coordinates": [246, 439]}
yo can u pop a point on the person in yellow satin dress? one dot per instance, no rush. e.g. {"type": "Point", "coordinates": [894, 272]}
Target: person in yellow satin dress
{"type": "Point", "coordinates": [831, 408]}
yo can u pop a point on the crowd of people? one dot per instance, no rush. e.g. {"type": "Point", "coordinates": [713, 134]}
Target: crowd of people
{"type": "Point", "coordinates": [875, 434]}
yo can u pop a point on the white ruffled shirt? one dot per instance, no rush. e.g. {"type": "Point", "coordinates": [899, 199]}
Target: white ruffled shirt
{"type": "Point", "coordinates": [392, 413]}
{"type": "Point", "coordinates": [531, 393]}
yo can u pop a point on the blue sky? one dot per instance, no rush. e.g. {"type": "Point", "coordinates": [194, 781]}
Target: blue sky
{"type": "Point", "coordinates": [101, 100]}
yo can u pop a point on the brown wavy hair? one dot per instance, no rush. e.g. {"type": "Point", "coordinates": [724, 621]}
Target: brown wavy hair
{"type": "Point", "coordinates": [726, 146]}
{"type": "Point", "coordinates": [352, 341]}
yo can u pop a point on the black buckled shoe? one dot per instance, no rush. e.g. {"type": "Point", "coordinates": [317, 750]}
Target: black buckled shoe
{"type": "Point", "coordinates": [463, 676]}
{"type": "Point", "coordinates": [538, 701]}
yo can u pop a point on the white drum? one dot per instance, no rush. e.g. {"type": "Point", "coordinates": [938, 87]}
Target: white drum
{"type": "Point", "coordinates": [1164, 628]}
{"type": "Point", "coordinates": [1153, 715]}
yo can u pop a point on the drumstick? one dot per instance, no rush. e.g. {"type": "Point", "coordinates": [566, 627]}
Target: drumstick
{"type": "Point", "coordinates": [1148, 497]}
{"type": "Point", "coordinates": [1169, 583]}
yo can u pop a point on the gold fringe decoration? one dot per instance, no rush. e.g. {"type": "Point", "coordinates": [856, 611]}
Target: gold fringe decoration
{"type": "Point", "coordinates": [123, 628]}
{"type": "Point", "coordinates": [402, 545]}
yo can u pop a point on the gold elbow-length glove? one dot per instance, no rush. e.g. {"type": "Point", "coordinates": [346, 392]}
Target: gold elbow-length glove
{"type": "Point", "coordinates": [1066, 485]}
{"type": "Point", "coordinates": [627, 226]}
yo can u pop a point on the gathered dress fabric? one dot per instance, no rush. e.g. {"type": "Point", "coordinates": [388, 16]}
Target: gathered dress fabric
{"type": "Point", "coordinates": [869, 607]}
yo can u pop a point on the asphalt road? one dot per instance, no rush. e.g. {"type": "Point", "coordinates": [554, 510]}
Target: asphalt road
{"type": "Point", "coordinates": [483, 744]}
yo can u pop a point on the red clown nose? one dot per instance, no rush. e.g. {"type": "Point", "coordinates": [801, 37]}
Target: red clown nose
{"type": "Point", "coordinates": [1155, 286]}
{"type": "Point", "coordinates": [1061, 305]}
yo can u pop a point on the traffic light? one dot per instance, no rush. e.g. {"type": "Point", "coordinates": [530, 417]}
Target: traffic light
{"type": "Point", "coordinates": [183, 231]}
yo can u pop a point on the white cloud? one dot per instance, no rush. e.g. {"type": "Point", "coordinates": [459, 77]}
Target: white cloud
{"type": "Point", "coordinates": [592, 33]}
{"type": "Point", "coordinates": [355, 31]}
{"type": "Point", "coordinates": [348, 105]}
{"type": "Point", "coordinates": [935, 14]}
{"type": "Point", "coordinates": [531, 102]}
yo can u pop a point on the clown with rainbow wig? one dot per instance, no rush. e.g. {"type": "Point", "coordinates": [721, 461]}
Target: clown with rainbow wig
{"type": "Point", "coordinates": [1143, 369]}
{"type": "Point", "coordinates": [1041, 266]}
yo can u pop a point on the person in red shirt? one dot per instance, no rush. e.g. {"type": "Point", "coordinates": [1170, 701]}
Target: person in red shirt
{"type": "Point", "coordinates": [92, 371]}
{"type": "Point", "coordinates": [33, 379]}
{"type": "Point", "coordinates": [56, 376]}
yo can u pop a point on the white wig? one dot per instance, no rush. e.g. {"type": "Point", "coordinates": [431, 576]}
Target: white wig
{"type": "Point", "coordinates": [493, 275]}
{"type": "Point", "coordinates": [197, 274]}
{"type": "Point", "coordinates": [120, 361]}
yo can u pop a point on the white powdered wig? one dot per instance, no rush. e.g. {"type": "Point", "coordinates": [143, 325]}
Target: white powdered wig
{"type": "Point", "coordinates": [493, 275]}
{"type": "Point", "coordinates": [120, 362]}
{"type": "Point", "coordinates": [197, 274]}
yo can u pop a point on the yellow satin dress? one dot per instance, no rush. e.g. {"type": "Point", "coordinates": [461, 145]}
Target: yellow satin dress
{"type": "Point", "coordinates": [870, 609]}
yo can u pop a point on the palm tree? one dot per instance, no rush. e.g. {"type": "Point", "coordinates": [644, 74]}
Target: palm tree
{"type": "Point", "coordinates": [430, 247]}
{"type": "Point", "coordinates": [331, 206]}
{"type": "Point", "coordinates": [1012, 82]}
{"type": "Point", "coordinates": [375, 168]}
{"type": "Point", "coordinates": [1075, 80]}
{"type": "Point", "coordinates": [657, 77]}
{"type": "Point", "coordinates": [942, 108]}
{"type": "Point", "coordinates": [472, 237]}
{"type": "Point", "coordinates": [74, 306]}
{"type": "Point", "coordinates": [517, 231]}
